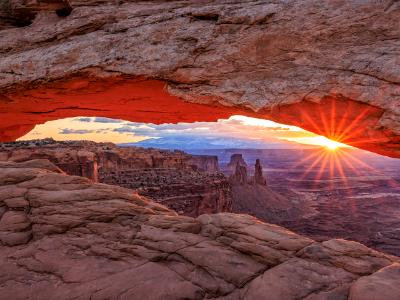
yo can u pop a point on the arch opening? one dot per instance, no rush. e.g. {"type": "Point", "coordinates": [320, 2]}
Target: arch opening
{"type": "Point", "coordinates": [279, 180]}
{"type": "Point", "coordinates": [320, 156]}
{"type": "Point", "coordinates": [236, 131]}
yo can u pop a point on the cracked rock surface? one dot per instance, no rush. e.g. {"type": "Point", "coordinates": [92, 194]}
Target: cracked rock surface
{"type": "Point", "coordinates": [296, 62]}
{"type": "Point", "coordinates": [65, 237]}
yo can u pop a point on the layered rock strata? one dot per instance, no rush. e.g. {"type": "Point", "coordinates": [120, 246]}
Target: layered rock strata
{"type": "Point", "coordinates": [191, 185]}
{"type": "Point", "coordinates": [239, 175]}
{"type": "Point", "coordinates": [258, 173]}
{"type": "Point", "coordinates": [251, 194]}
{"type": "Point", "coordinates": [65, 237]}
{"type": "Point", "coordinates": [330, 67]}
{"type": "Point", "coordinates": [236, 159]}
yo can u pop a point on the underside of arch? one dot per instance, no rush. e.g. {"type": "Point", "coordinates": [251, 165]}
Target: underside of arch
{"type": "Point", "coordinates": [148, 100]}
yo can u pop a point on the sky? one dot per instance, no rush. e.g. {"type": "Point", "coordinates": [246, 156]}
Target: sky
{"type": "Point", "coordinates": [226, 133]}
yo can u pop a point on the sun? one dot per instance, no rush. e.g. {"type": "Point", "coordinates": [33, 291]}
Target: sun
{"type": "Point", "coordinates": [331, 145]}
{"type": "Point", "coordinates": [328, 144]}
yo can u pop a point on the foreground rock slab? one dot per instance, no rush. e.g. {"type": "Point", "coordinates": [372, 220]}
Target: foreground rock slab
{"type": "Point", "coordinates": [76, 239]}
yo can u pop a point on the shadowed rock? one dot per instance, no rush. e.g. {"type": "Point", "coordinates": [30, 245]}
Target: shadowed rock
{"type": "Point", "coordinates": [236, 159]}
{"type": "Point", "coordinates": [239, 177]}
{"type": "Point", "coordinates": [258, 173]}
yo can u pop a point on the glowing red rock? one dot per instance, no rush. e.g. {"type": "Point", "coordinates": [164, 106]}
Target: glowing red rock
{"type": "Point", "coordinates": [145, 100]}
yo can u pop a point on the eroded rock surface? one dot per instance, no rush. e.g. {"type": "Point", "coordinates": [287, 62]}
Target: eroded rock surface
{"type": "Point", "coordinates": [330, 67]}
{"type": "Point", "coordinates": [96, 241]}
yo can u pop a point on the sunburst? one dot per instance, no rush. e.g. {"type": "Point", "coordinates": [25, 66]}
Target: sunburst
{"type": "Point", "coordinates": [337, 164]}
{"type": "Point", "coordinates": [328, 143]}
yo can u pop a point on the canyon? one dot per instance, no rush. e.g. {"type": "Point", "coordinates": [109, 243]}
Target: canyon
{"type": "Point", "coordinates": [67, 237]}
{"type": "Point", "coordinates": [353, 195]}
{"type": "Point", "coordinates": [80, 220]}
{"type": "Point", "coordinates": [189, 184]}
{"type": "Point", "coordinates": [330, 68]}
{"type": "Point", "coordinates": [358, 205]}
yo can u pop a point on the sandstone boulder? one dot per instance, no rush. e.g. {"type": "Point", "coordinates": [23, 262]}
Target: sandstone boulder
{"type": "Point", "coordinates": [14, 221]}
{"type": "Point", "coordinates": [383, 284]}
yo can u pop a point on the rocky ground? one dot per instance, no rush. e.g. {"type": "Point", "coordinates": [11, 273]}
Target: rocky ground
{"type": "Point", "coordinates": [65, 237]}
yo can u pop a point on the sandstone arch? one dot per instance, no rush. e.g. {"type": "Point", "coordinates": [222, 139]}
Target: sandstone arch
{"type": "Point", "coordinates": [330, 67]}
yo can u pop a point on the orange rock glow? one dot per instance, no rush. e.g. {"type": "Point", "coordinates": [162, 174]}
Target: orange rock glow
{"type": "Point", "coordinates": [148, 101]}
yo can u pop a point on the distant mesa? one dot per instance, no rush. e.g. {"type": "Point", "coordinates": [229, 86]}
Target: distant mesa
{"type": "Point", "coordinates": [240, 176]}
{"type": "Point", "coordinates": [258, 173]}
{"type": "Point", "coordinates": [235, 160]}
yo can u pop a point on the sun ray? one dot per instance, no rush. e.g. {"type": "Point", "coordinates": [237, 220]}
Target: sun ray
{"type": "Point", "coordinates": [310, 121]}
{"type": "Point", "coordinates": [369, 140]}
{"type": "Point", "coordinates": [342, 174]}
{"type": "Point", "coordinates": [359, 162]}
{"type": "Point", "coordinates": [311, 167]}
{"type": "Point", "coordinates": [309, 157]}
{"type": "Point", "coordinates": [352, 124]}
{"type": "Point", "coordinates": [341, 125]}
{"type": "Point", "coordinates": [325, 123]}
{"type": "Point", "coordinates": [393, 183]}
{"type": "Point", "coordinates": [322, 167]}
{"type": "Point", "coordinates": [350, 165]}
{"type": "Point", "coordinates": [331, 169]}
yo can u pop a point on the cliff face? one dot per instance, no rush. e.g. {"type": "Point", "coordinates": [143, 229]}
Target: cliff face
{"type": "Point", "coordinates": [258, 174]}
{"type": "Point", "coordinates": [191, 185]}
{"type": "Point", "coordinates": [239, 172]}
{"type": "Point", "coordinates": [236, 159]}
{"type": "Point", "coordinates": [330, 67]}
{"type": "Point", "coordinates": [239, 177]}
{"type": "Point", "coordinates": [205, 163]}
{"type": "Point", "coordinates": [251, 194]}
{"type": "Point", "coordinates": [65, 237]}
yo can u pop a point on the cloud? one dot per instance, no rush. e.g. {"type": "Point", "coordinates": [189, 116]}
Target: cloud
{"type": "Point", "coordinates": [97, 120]}
{"type": "Point", "coordinates": [138, 129]}
{"type": "Point", "coordinates": [75, 131]}
{"type": "Point", "coordinates": [106, 120]}
{"type": "Point", "coordinates": [231, 128]}
{"type": "Point", "coordinates": [86, 120]}
{"type": "Point", "coordinates": [255, 131]}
